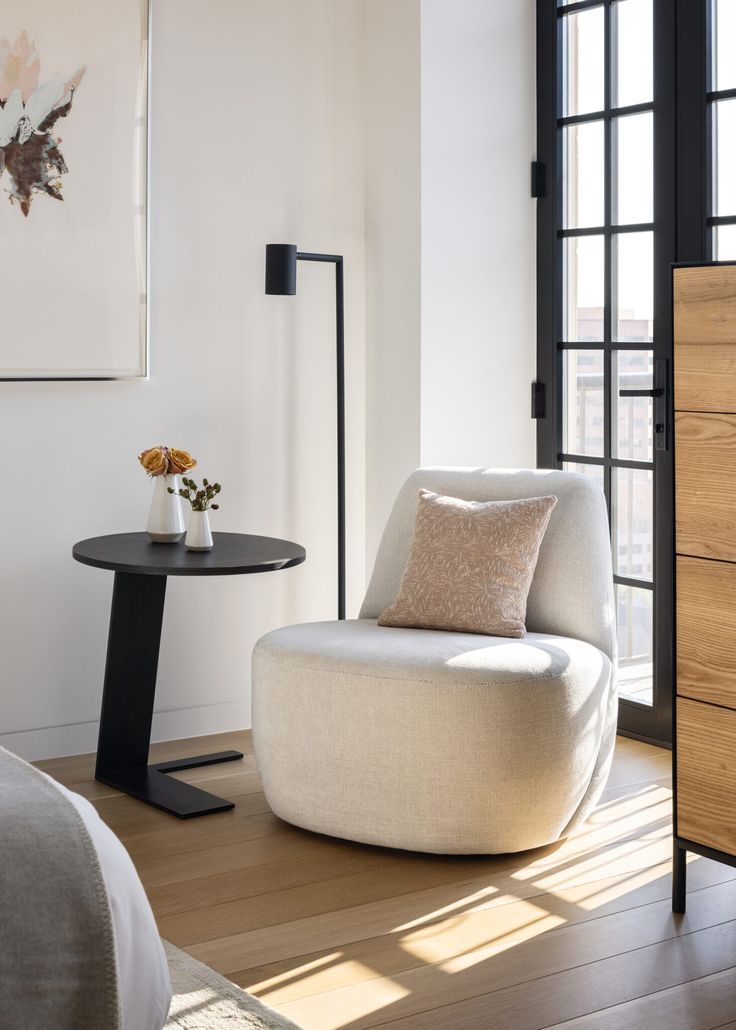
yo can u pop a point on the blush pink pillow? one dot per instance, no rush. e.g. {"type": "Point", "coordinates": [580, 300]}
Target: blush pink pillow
{"type": "Point", "coordinates": [471, 565]}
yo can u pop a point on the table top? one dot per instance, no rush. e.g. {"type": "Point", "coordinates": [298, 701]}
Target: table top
{"type": "Point", "coordinates": [233, 554]}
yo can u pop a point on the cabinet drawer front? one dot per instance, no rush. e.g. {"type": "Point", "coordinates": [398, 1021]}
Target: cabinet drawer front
{"type": "Point", "coordinates": [706, 774]}
{"type": "Point", "coordinates": [705, 338]}
{"type": "Point", "coordinates": [706, 630]}
{"type": "Point", "coordinates": [705, 496]}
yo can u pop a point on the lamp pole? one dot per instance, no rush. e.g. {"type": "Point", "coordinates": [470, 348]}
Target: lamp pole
{"type": "Point", "coordinates": [281, 279]}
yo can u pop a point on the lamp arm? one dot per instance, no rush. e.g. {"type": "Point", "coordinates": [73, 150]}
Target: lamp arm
{"type": "Point", "coordinates": [303, 255]}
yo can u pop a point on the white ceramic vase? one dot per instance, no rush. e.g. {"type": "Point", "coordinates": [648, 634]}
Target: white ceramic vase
{"type": "Point", "coordinates": [166, 518]}
{"type": "Point", "coordinates": [199, 535]}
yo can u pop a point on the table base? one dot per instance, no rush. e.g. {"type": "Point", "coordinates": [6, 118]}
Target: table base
{"type": "Point", "coordinates": [151, 784]}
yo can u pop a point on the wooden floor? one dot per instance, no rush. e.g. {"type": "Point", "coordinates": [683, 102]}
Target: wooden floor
{"type": "Point", "coordinates": [338, 935]}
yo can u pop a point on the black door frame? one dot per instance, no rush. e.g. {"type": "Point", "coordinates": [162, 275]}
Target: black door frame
{"type": "Point", "coordinates": [682, 202]}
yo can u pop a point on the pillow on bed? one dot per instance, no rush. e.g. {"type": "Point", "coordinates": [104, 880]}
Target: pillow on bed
{"type": "Point", "coordinates": [471, 565]}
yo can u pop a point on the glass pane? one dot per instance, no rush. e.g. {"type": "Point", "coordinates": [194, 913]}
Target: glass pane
{"type": "Point", "coordinates": [634, 52]}
{"type": "Point", "coordinates": [634, 199]}
{"type": "Point", "coordinates": [582, 62]}
{"type": "Point", "coordinates": [633, 310]}
{"type": "Point", "coordinates": [634, 610]}
{"type": "Point", "coordinates": [594, 472]}
{"type": "Point", "coordinates": [584, 291]}
{"type": "Point", "coordinates": [582, 398]}
{"type": "Point", "coordinates": [724, 143]}
{"type": "Point", "coordinates": [724, 244]}
{"type": "Point", "coordinates": [632, 416]}
{"type": "Point", "coordinates": [724, 54]}
{"type": "Point", "coordinates": [584, 178]}
{"type": "Point", "coordinates": [633, 515]}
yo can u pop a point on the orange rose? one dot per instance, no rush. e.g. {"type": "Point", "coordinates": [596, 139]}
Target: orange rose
{"type": "Point", "coordinates": [155, 461]}
{"type": "Point", "coordinates": [180, 461]}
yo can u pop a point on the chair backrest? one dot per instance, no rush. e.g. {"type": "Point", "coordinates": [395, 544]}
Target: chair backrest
{"type": "Point", "coordinates": [572, 591]}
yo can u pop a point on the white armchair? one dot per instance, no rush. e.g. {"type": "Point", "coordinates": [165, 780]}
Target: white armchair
{"type": "Point", "coordinates": [450, 742]}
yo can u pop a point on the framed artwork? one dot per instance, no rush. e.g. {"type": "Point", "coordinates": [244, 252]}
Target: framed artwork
{"type": "Point", "coordinates": [73, 189]}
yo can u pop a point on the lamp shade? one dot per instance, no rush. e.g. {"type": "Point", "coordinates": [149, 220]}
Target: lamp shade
{"type": "Point", "coordinates": [281, 268]}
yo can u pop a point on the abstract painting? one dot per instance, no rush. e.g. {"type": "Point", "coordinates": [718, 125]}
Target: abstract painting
{"type": "Point", "coordinates": [29, 111]}
{"type": "Point", "coordinates": [73, 189]}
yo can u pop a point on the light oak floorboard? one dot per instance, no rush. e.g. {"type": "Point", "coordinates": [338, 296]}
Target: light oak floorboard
{"type": "Point", "coordinates": [556, 975]}
{"type": "Point", "coordinates": [449, 944]}
{"type": "Point", "coordinates": [701, 1003]}
{"type": "Point", "coordinates": [586, 988]}
{"type": "Point", "coordinates": [341, 935]}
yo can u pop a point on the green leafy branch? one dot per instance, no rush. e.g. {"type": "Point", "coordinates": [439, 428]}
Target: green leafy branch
{"type": "Point", "coordinates": [200, 500]}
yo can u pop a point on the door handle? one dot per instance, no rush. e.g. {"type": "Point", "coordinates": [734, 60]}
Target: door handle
{"type": "Point", "coordinates": [641, 393]}
{"type": "Point", "coordinates": [661, 407]}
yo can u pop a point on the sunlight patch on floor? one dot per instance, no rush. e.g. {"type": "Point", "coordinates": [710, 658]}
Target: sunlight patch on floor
{"type": "Point", "coordinates": [454, 938]}
{"type": "Point", "coordinates": [628, 884]}
{"type": "Point", "coordinates": [624, 858]}
{"type": "Point", "coordinates": [348, 971]}
{"type": "Point", "coordinates": [595, 840]}
{"type": "Point", "coordinates": [297, 973]}
{"type": "Point", "coordinates": [643, 805]}
{"type": "Point", "coordinates": [534, 928]}
{"type": "Point", "coordinates": [597, 896]}
{"type": "Point", "coordinates": [462, 903]}
{"type": "Point", "coordinates": [315, 1013]}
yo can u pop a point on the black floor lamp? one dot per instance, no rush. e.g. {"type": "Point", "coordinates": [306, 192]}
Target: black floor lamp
{"type": "Point", "coordinates": [281, 259]}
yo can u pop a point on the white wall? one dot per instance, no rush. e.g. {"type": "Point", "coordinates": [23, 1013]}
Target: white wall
{"type": "Point", "coordinates": [451, 287]}
{"type": "Point", "coordinates": [478, 232]}
{"type": "Point", "coordinates": [398, 132]}
{"type": "Point", "coordinates": [257, 137]}
{"type": "Point", "coordinates": [393, 252]}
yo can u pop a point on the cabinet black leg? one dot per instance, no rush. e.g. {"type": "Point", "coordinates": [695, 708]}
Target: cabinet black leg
{"type": "Point", "coordinates": [127, 706]}
{"type": "Point", "coordinates": [679, 877]}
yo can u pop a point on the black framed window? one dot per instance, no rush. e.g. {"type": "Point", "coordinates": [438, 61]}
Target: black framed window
{"type": "Point", "coordinates": [607, 233]}
{"type": "Point", "coordinates": [721, 127]}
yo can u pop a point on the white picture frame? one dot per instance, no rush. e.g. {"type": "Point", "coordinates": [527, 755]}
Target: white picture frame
{"type": "Point", "coordinates": [74, 221]}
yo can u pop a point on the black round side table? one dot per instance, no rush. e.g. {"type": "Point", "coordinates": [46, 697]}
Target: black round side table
{"type": "Point", "coordinates": [141, 568]}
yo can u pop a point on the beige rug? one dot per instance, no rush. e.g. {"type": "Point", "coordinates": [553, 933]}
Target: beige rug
{"type": "Point", "coordinates": [204, 1000]}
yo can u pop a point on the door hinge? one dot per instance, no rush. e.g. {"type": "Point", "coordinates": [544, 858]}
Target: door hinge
{"type": "Point", "coordinates": [539, 400]}
{"type": "Point", "coordinates": [539, 179]}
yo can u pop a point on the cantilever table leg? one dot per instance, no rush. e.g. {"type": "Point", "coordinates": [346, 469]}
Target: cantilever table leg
{"type": "Point", "coordinates": [127, 706]}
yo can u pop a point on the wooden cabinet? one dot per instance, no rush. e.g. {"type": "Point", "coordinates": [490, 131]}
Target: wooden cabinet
{"type": "Point", "coordinates": [706, 640]}
{"type": "Point", "coordinates": [706, 774]}
{"type": "Point", "coordinates": [704, 300]}
{"type": "Point", "coordinates": [705, 322]}
{"type": "Point", "coordinates": [705, 470]}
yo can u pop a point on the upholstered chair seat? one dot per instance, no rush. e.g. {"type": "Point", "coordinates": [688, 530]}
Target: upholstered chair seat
{"type": "Point", "coordinates": [450, 742]}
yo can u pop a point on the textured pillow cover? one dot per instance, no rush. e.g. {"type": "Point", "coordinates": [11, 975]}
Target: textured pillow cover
{"type": "Point", "coordinates": [471, 565]}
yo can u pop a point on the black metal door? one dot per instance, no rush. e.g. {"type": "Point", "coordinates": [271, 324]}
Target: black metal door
{"type": "Point", "coordinates": [607, 234]}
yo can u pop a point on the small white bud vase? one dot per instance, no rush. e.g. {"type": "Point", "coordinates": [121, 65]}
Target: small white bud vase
{"type": "Point", "coordinates": [199, 535]}
{"type": "Point", "coordinates": [166, 518]}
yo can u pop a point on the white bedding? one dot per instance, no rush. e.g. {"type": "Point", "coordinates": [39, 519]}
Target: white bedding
{"type": "Point", "coordinates": [143, 973]}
